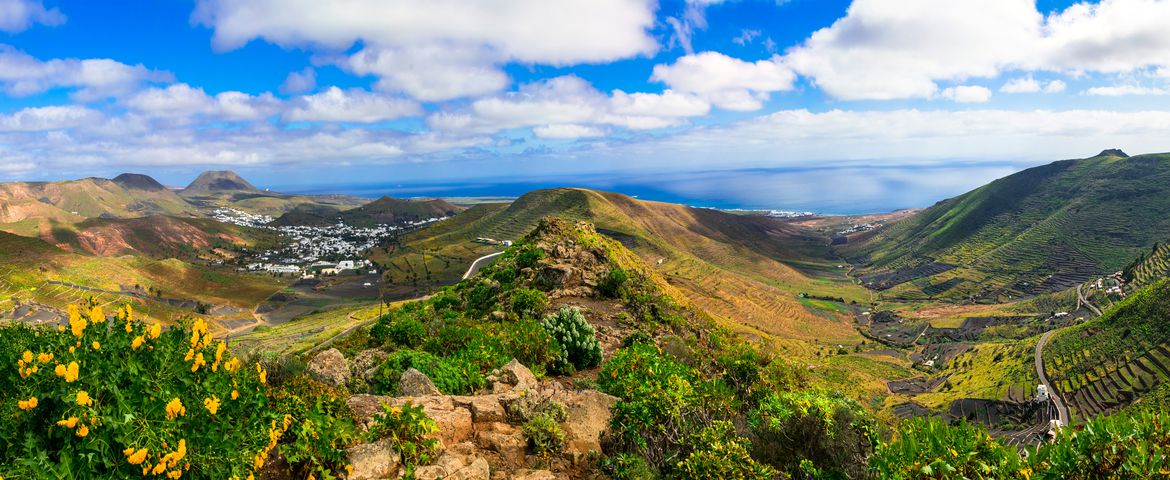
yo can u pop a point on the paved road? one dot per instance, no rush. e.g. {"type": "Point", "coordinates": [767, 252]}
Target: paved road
{"type": "Point", "coordinates": [479, 263]}
{"type": "Point", "coordinates": [1057, 399]}
{"type": "Point", "coordinates": [1081, 299]}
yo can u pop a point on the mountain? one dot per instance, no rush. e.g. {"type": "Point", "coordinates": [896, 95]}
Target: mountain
{"type": "Point", "coordinates": [748, 271]}
{"type": "Point", "coordinates": [385, 210]}
{"type": "Point", "coordinates": [218, 182]}
{"type": "Point", "coordinates": [1040, 230]}
{"type": "Point", "coordinates": [153, 236]}
{"type": "Point", "coordinates": [137, 181]}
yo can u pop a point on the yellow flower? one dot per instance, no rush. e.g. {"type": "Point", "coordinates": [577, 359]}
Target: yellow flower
{"type": "Point", "coordinates": [70, 349]}
{"type": "Point", "coordinates": [129, 313]}
{"type": "Point", "coordinates": [27, 357]}
{"type": "Point", "coordinates": [59, 370]}
{"type": "Point", "coordinates": [199, 361]}
{"type": "Point", "coordinates": [97, 345]}
{"type": "Point", "coordinates": [29, 404]}
{"type": "Point", "coordinates": [83, 399]}
{"type": "Point", "coordinates": [235, 394]}
{"type": "Point", "coordinates": [171, 474]}
{"type": "Point", "coordinates": [175, 409]}
{"type": "Point", "coordinates": [76, 323]}
{"type": "Point", "coordinates": [212, 404]}
{"type": "Point", "coordinates": [96, 315]}
{"type": "Point", "coordinates": [135, 458]}
{"type": "Point", "coordinates": [349, 470]}
{"type": "Point", "coordinates": [68, 423]}
{"type": "Point", "coordinates": [155, 331]}
{"type": "Point", "coordinates": [263, 374]}
{"type": "Point", "coordinates": [232, 365]}
{"type": "Point", "coordinates": [82, 431]}
{"type": "Point", "coordinates": [129, 327]}
{"type": "Point", "coordinates": [137, 342]}
{"type": "Point", "coordinates": [71, 372]}
{"type": "Point", "coordinates": [159, 469]}
{"type": "Point", "coordinates": [45, 357]}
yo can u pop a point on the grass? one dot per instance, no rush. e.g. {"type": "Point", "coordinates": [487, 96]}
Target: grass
{"type": "Point", "coordinates": [302, 334]}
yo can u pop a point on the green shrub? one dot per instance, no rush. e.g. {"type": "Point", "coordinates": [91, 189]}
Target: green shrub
{"type": "Point", "coordinates": [544, 435]}
{"type": "Point", "coordinates": [1118, 446]}
{"type": "Point", "coordinates": [577, 338]}
{"type": "Point", "coordinates": [107, 389]}
{"type": "Point", "coordinates": [528, 257]}
{"type": "Point", "coordinates": [452, 376]}
{"type": "Point", "coordinates": [407, 332]}
{"type": "Point", "coordinates": [931, 449]}
{"type": "Point", "coordinates": [720, 454]}
{"type": "Point", "coordinates": [410, 431]}
{"type": "Point", "coordinates": [527, 303]}
{"type": "Point", "coordinates": [611, 285]}
{"type": "Point", "coordinates": [625, 466]}
{"type": "Point", "coordinates": [528, 342]}
{"type": "Point", "coordinates": [832, 434]}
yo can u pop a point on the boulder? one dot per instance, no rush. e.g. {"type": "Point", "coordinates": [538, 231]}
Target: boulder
{"type": "Point", "coordinates": [414, 383]}
{"type": "Point", "coordinates": [502, 438]}
{"type": "Point", "coordinates": [484, 408]}
{"type": "Point", "coordinates": [589, 415]}
{"type": "Point", "coordinates": [516, 375]}
{"type": "Point", "coordinates": [330, 367]}
{"type": "Point", "coordinates": [454, 422]}
{"type": "Point", "coordinates": [460, 462]}
{"type": "Point", "coordinates": [367, 361]}
{"type": "Point", "coordinates": [372, 461]}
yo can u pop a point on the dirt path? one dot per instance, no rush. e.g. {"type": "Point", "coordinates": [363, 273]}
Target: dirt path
{"type": "Point", "coordinates": [1053, 394]}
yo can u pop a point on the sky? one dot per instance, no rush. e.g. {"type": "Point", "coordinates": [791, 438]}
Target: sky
{"type": "Point", "coordinates": [886, 103]}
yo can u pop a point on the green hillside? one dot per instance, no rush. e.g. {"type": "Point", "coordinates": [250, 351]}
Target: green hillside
{"type": "Point", "coordinates": [1043, 229]}
{"type": "Point", "coordinates": [385, 210]}
{"type": "Point", "coordinates": [1109, 362]}
{"type": "Point", "coordinates": [1149, 267]}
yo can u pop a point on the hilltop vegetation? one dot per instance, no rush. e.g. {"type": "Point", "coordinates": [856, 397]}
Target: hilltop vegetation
{"type": "Point", "coordinates": [1041, 230]}
{"type": "Point", "coordinates": [383, 211]}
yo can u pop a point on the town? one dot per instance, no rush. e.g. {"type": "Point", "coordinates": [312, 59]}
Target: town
{"type": "Point", "coordinates": [316, 250]}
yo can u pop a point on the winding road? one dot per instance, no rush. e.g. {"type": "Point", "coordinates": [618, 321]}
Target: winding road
{"type": "Point", "coordinates": [478, 264]}
{"type": "Point", "coordinates": [1053, 394]}
{"type": "Point", "coordinates": [1081, 298]}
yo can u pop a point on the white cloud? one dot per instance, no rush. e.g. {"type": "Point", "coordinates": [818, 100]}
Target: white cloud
{"type": "Point", "coordinates": [967, 94]}
{"type": "Point", "coordinates": [300, 82]}
{"type": "Point", "coordinates": [1055, 86]}
{"type": "Point", "coordinates": [561, 131]}
{"type": "Point", "coordinates": [412, 43]}
{"type": "Point", "coordinates": [17, 15]}
{"type": "Point", "coordinates": [337, 105]}
{"type": "Point", "coordinates": [1126, 90]}
{"type": "Point", "coordinates": [1021, 85]}
{"type": "Point", "coordinates": [727, 82]}
{"type": "Point", "coordinates": [889, 49]}
{"type": "Point", "coordinates": [746, 36]}
{"type": "Point", "coordinates": [48, 118]}
{"type": "Point", "coordinates": [182, 102]}
{"type": "Point", "coordinates": [570, 101]}
{"type": "Point", "coordinates": [22, 74]}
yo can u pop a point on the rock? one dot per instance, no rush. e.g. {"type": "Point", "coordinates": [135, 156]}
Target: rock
{"type": "Point", "coordinates": [458, 463]}
{"type": "Point", "coordinates": [330, 367]}
{"type": "Point", "coordinates": [416, 384]}
{"type": "Point", "coordinates": [502, 438]}
{"type": "Point", "coordinates": [589, 415]}
{"type": "Point", "coordinates": [366, 361]}
{"type": "Point", "coordinates": [534, 475]}
{"type": "Point", "coordinates": [484, 408]}
{"type": "Point", "coordinates": [516, 375]}
{"type": "Point", "coordinates": [376, 460]}
{"type": "Point", "coordinates": [454, 422]}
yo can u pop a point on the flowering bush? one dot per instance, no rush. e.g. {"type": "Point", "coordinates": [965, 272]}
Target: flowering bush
{"type": "Point", "coordinates": [116, 397]}
{"type": "Point", "coordinates": [410, 430]}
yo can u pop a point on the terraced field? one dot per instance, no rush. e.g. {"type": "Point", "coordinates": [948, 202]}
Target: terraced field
{"type": "Point", "coordinates": [1109, 362]}
{"type": "Point", "coordinates": [1150, 267]}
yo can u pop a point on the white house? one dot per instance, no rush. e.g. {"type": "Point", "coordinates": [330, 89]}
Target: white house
{"type": "Point", "coordinates": [346, 265]}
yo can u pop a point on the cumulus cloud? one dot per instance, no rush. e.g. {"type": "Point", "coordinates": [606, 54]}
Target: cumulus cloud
{"type": "Point", "coordinates": [1126, 90]}
{"type": "Point", "coordinates": [48, 118]}
{"type": "Point", "coordinates": [300, 82]}
{"type": "Point", "coordinates": [561, 131]}
{"type": "Point", "coordinates": [359, 106]}
{"type": "Point", "coordinates": [22, 75]}
{"type": "Point", "coordinates": [182, 102]}
{"type": "Point", "coordinates": [17, 15]}
{"type": "Point", "coordinates": [727, 82]}
{"type": "Point", "coordinates": [967, 94]}
{"type": "Point", "coordinates": [407, 44]}
{"type": "Point", "coordinates": [889, 49]}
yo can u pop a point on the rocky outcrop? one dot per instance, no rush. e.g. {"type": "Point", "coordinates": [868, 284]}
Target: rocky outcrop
{"type": "Point", "coordinates": [479, 432]}
{"type": "Point", "coordinates": [373, 460]}
{"type": "Point", "coordinates": [330, 367]}
{"type": "Point", "coordinates": [366, 363]}
{"type": "Point", "coordinates": [414, 383]}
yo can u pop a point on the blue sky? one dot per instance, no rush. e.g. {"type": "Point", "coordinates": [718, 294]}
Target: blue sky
{"type": "Point", "coordinates": [298, 93]}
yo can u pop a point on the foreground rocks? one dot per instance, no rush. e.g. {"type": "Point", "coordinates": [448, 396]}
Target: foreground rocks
{"type": "Point", "coordinates": [480, 439]}
{"type": "Point", "coordinates": [330, 367]}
